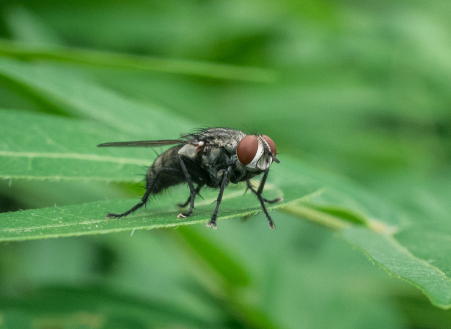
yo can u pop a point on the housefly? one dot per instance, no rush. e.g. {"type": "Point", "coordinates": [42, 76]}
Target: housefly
{"type": "Point", "coordinates": [212, 157]}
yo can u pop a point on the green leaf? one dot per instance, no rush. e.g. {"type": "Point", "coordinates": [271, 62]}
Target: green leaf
{"type": "Point", "coordinates": [407, 248]}
{"type": "Point", "coordinates": [130, 62]}
{"type": "Point", "coordinates": [90, 218]}
{"type": "Point", "coordinates": [427, 270]}
{"type": "Point", "coordinates": [60, 148]}
{"type": "Point", "coordinates": [80, 97]}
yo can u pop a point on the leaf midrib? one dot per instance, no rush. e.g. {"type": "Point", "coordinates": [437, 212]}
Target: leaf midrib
{"type": "Point", "coordinates": [77, 156]}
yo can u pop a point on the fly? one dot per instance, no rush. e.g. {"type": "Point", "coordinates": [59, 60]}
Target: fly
{"type": "Point", "coordinates": [211, 157]}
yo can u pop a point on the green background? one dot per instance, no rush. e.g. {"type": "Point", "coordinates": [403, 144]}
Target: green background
{"type": "Point", "coordinates": [355, 95]}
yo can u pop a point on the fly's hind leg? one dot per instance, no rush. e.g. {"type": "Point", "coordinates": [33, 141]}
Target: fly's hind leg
{"type": "Point", "coordinates": [183, 205]}
{"type": "Point", "coordinates": [145, 198]}
{"type": "Point", "coordinates": [262, 200]}
{"type": "Point", "coordinates": [191, 188]}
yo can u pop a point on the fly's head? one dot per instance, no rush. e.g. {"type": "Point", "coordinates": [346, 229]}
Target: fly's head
{"type": "Point", "coordinates": [256, 152]}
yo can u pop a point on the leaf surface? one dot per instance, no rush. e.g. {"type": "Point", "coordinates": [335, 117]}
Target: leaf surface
{"type": "Point", "coordinates": [60, 148]}
{"type": "Point", "coordinates": [81, 97]}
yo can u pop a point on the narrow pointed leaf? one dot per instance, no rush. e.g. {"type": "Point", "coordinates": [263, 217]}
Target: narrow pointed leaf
{"type": "Point", "coordinates": [81, 97]}
{"type": "Point", "coordinates": [132, 62]}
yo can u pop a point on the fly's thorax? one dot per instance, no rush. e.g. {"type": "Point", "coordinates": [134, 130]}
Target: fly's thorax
{"type": "Point", "coordinates": [256, 152]}
{"type": "Point", "coordinates": [210, 155]}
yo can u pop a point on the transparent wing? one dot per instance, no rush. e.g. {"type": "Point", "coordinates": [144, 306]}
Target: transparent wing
{"type": "Point", "coordinates": [144, 143]}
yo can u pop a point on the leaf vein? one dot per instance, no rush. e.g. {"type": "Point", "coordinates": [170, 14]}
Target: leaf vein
{"type": "Point", "coordinates": [78, 156]}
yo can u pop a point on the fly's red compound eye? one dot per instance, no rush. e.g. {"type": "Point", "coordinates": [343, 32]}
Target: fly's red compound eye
{"type": "Point", "coordinates": [247, 149]}
{"type": "Point", "coordinates": [271, 144]}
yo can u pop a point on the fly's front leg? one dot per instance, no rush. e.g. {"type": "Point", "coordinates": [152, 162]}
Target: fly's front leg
{"type": "Point", "coordinates": [191, 188]}
{"type": "Point", "coordinates": [250, 187]}
{"type": "Point", "coordinates": [212, 221]}
{"type": "Point", "coordinates": [262, 200]}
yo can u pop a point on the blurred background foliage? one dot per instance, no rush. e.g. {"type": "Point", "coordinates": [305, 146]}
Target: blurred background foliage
{"type": "Point", "coordinates": [357, 88]}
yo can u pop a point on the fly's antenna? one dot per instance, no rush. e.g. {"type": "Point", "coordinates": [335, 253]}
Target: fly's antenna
{"type": "Point", "coordinates": [274, 157]}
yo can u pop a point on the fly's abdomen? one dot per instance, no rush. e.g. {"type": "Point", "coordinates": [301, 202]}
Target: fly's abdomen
{"type": "Point", "coordinates": [165, 171]}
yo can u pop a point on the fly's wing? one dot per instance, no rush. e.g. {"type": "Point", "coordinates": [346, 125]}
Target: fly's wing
{"type": "Point", "coordinates": [144, 143]}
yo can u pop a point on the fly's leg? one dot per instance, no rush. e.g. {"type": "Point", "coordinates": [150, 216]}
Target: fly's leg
{"type": "Point", "coordinates": [262, 200]}
{"type": "Point", "coordinates": [183, 205]}
{"type": "Point", "coordinates": [191, 188]}
{"type": "Point", "coordinates": [145, 198]}
{"type": "Point", "coordinates": [250, 187]}
{"type": "Point", "coordinates": [212, 221]}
